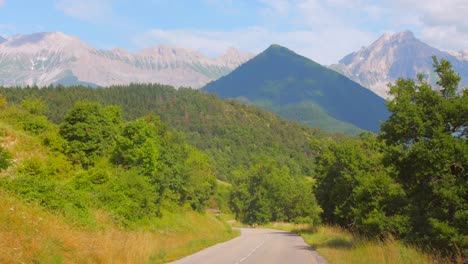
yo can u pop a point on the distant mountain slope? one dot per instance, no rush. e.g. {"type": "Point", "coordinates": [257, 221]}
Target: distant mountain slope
{"type": "Point", "coordinates": [298, 88]}
{"type": "Point", "coordinates": [47, 58]}
{"type": "Point", "coordinates": [400, 55]}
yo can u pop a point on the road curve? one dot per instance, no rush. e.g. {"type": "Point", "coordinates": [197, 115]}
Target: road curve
{"type": "Point", "coordinates": [257, 245]}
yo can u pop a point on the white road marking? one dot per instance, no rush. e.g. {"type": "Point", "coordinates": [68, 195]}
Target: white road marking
{"type": "Point", "coordinates": [251, 252]}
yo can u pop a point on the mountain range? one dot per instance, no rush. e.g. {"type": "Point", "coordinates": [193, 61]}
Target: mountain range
{"type": "Point", "coordinates": [56, 58]}
{"type": "Point", "coordinates": [393, 56]}
{"type": "Point", "coordinates": [277, 79]}
{"type": "Point", "coordinates": [298, 88]}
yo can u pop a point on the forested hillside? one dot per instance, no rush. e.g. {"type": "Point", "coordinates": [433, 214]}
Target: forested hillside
{"type": "Point", "coordinates": [96, 180]}
{"type": "Point", "coordinates": [297, 88]}
{"type": "Point", "coordinates": [233, 134]}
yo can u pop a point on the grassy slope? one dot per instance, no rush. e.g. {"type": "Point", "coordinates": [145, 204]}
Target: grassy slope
{"type": "Point", "coordinates": [339, 246]}
{"type": "Point", "coordinates": [33, 234]}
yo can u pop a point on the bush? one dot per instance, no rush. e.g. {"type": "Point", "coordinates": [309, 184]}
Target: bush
{"type": "Point", "coordinates": [5, 159]}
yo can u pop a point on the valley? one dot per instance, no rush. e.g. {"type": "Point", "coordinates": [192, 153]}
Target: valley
{"type": "Point", "coordinates": [233, 132]}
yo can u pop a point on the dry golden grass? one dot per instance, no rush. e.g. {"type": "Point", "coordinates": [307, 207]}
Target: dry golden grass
{"type": "Point", "coordinates": [339, 246]}
{"type": "Point", "coordinates": [30, 234]}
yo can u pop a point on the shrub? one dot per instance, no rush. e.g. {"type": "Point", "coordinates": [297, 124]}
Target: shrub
{"type": "Point", "coordinates": [5, 159]}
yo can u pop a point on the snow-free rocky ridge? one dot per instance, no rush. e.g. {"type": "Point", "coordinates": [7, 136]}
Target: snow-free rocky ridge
{"type": "Point", "coordinates": [393, 56]}
{"type": "Point", "coordinates": [51, 58]}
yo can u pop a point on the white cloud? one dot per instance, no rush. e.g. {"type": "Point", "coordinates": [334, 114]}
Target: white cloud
{"type": "Point", "coordinates": [313, 28]}
{"type": "Point", "coordinates": [441, 23]}
{"type": "Point", "coordinates": [324, 48]}
{"type": "Point", "coordinates": [87, 10]}
{"type": "Point", "coordinates": [326, 30]}
{"type": "Point", "coordinates": [276, 7]}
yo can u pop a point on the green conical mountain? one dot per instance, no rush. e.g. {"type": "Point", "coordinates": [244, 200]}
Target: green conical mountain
{"type": "Point", "coordinates": [298, 88]}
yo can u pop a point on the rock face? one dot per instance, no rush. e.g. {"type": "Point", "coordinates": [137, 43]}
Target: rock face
{"type": "Point", "coordinates": [51, 58]}
{"type": "Point", "coordinates": [400, 55]}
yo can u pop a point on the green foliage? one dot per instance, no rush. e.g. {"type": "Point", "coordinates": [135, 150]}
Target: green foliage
{"type": "Point", "coordinates": [297, 88]}
{"type": "Point", "coordinates": [355, 190]}
{"type": "Point", "coordinates": [138, 146]}
{"type": "Point", "coordinates": [34, 106]}
{"type": "Point", "coordinates": [90, 131]}
{"type": "Point", "coordinates": [448, 79]}
{"type": "Point", "coordinates": [200, 182]}
{"type": "Point", "coordinates": [232, 134]}
{"type": "Point", "coordinates": [427, 133]}
{"type": "Point", "coordinates": [267, 192]}
{"type": "Point", "coordinates": [28, 116]}
{"type": "Point", "coordinates": [131, 171]}
{"type": "Point", "coordinates": [128, 195]}
{"type": "Point", "coordinates": [57, 197]}
{"type": "Point", "coordinates": [5, 159]}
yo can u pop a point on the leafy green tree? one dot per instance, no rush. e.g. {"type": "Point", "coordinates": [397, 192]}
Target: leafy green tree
{"type": "Point", "coordinates": [138, 146]}
{"type": "Point", "coordinates": [90, 131]}
{"type": "Point", "coordinates": [355, 190]}
{"type": "Point", "coordinates": [427, 136]}
{"type": "Point", "coordinates": [267, 192]}
{"type": "Point", "coordinates": [34, 106]}
{"type": "Point", "coordinates": [200, 182]}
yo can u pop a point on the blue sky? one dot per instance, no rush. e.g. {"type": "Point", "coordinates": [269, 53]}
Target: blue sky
{"type": "Point", "coordinates": [323, 30]}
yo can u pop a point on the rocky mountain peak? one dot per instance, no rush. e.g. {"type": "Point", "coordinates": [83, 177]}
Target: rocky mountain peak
{"type": "Point", "coordinates": [51, 57]}
{"type": "Point", "coordinates": [393, 56]}
{"type": "Point", "coordinates": [169, 51]}
{"type": "Point", "coordinates": [234, 57]}
{"type": "Point", "coordinates": [39, 38]}
{"type": "Point", "coordinates": [44, 41]}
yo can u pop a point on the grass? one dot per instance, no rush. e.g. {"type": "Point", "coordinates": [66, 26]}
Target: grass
{"type": "Point", "coordinates": [31, 234]}
{"type": "Point", "coordinates": [337, 245]}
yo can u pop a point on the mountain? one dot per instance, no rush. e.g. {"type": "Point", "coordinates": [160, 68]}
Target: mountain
{"type": "Point", "coordinates": [2, 39]}
{"type": "Point", "coordinates": [56, 58]}
{"type": "Point", "coordinates": [393, 56]}
{"type": "Point", "coordinates": [298, 88]}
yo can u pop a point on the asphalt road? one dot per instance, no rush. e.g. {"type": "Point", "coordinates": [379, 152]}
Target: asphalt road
{"type": "Point", "coordinates": [257, 245]}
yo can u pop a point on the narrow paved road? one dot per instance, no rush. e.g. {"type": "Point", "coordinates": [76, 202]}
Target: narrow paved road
{"type": "Point", "coordinates": [257, 245]}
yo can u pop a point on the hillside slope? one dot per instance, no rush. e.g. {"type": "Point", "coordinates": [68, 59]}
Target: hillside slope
{"type": "Point", "coordinates": [233, 134]}
{"type": "Point", "coordinates": [298, 88]}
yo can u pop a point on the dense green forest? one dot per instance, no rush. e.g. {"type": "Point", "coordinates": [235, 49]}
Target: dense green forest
{"type": "Point", "coordinates": [173, 174]}
{"type": "Point", "coordinates": [234, 135]}
{"type": "Point", "coordinates": [410, 181]}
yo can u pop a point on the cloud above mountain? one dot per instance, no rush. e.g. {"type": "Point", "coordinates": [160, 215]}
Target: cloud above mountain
{"type": "Point", "coordinates": [441, 23]}
{"type": "Point", "coordinates": [324, 30]}
{"type": "Point", "coordinates": [87, 10]}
